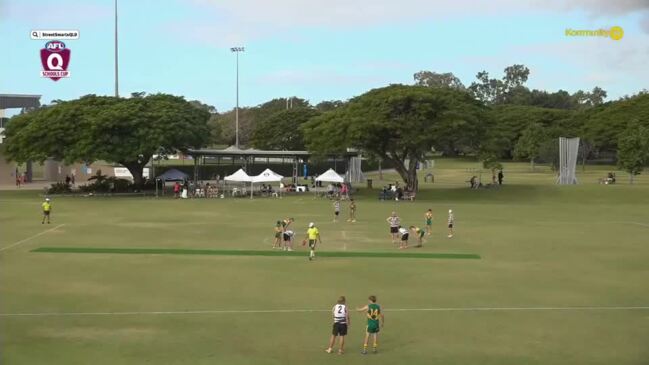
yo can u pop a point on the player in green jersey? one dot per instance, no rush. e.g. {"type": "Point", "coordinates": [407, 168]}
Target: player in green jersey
{"type": "Point", "coordinates": [375, 321]}
{"type": "Point", "coordinates": [419, 233]}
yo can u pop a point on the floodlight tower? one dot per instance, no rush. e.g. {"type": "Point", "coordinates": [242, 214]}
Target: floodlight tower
{"type": "Point", "coordinates": [237, 50]}
{"type": "Point", "coordinates": [116, 56]}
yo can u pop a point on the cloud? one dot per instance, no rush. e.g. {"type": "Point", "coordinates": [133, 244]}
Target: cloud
{"type": "Point", "coordinates": [249, 20]}
{"type": "Point", "coordinates": [644, 23]}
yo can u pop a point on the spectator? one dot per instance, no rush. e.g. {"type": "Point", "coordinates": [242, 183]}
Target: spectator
{"type": "Point", "coordinates": [500, 177]}
{"type": "Point", "coordinates": [177, 190]}
{"type": "Point", "coordinates": [68, 180]}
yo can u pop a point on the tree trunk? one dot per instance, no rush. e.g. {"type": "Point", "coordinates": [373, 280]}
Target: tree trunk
{"type": "Point", "coordinates": [630, 178]}
{"type": "Point", "coordinates": [412, 174]}
{"type": "Point", "coordinates": [408, 173]}
{"type": "Point", "coordinates": [532, 163]}
{"type": "Point", "coordinates": [136, 169]}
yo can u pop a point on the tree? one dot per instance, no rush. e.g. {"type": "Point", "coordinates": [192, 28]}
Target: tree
{"type": "Point", "coordinates": [528, 146]}
{"type": "Point", "coordinates": [398, 123]}
{"type": "Point", "coordinates": [494, 91]}
{"type": "Point", "coordinates": [223, 125]}
{"type": "Point", "coordinates": [604, 123]}
{"type": "Point", "coordinates": [633, 149]}
{"type": "Point", "coordinates": [281, 131]}
{"type": "Point", "coordinates": [508, 122]}
{"type": "Point", "coordinates": [127, 131]}
{"type": "Point", "coordinates": [434, 79]}
{"type": "Point", "coordinates": [328, 105]}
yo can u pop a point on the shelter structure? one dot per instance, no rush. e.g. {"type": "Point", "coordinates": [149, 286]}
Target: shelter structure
{"type": "Point", "coordinates": [248, 157]}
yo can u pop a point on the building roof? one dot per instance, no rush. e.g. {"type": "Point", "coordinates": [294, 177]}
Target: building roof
{"type": "Point", "coordinates": [10, 101]}
{"type": "Point", "coordinates": [230, 152]}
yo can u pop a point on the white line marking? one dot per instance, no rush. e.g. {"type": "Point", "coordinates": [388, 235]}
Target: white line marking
{"type": "Point", "coordinates": [254, 311]}
{"type": "Point", "coordinates": [639, 224]}
{"type": "Point", "coordinates": [30, 238]}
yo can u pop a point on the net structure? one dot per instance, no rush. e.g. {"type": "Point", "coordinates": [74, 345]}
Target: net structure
{"type": "Point", "coordinates": [354, 173]}
{"type": "Point", "coordinates": [568, 151]}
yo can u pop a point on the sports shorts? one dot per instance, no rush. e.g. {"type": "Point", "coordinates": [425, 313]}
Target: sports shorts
{"type": "Point", "coordinates": [339, 329]}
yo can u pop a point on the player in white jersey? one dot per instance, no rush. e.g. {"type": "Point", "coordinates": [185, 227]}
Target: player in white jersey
{"type": "Point", "coordinates": [404, 238]}
{"type": "Point", "coordinates": [341, 322]}
{"type": "Point", "coordinates": [451, 221]}
{"type": "Point", "coordinates": [336, 210]}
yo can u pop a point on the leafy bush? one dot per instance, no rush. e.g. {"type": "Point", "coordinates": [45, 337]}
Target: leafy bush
{"type": "Point", "coordinates": [59, 188]}
{"type": "Point", "coordinates": [106, 184]}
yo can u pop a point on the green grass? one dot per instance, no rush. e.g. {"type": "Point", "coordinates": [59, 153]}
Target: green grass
{"type": "Point", "coordinates": [540, 245]}
{"type": "Point", "coordinates": [171, 251]}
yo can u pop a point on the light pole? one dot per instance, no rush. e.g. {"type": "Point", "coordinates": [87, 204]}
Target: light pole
{"type": "Point", "coordinates": [116, 56]}
{"type": "Point", "coordinates": [237, 50]}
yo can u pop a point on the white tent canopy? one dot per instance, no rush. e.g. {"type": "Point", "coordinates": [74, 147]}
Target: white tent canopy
{"type": "Point", "coordinates": [239, 176]}
{"type": "Point", "coordinates": [267, 175]}
{"type": "Point", "coordinates": [330, 176]}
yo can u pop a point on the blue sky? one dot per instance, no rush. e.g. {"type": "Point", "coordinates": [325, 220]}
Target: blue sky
{"type": "Point", "coordinates": [321, 50]}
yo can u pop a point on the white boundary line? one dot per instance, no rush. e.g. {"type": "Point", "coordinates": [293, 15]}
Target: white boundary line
{"type": "Point", "coordinates": [253, 311]}
{"type": "Point", "coordinates": [30, 238]}
{"type": "Point", "coordinates": [639, 224]}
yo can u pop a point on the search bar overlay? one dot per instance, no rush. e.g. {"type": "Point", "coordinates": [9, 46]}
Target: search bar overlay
{"type": "Point", "coordinates": [54, 34]}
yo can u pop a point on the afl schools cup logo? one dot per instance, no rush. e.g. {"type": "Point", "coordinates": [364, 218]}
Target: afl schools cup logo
{"type": "Point", "coordinates": [55, 58]}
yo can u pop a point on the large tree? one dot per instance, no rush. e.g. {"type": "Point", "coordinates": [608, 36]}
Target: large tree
{"type": "Point", "coordinates": [127, 131]}
{"type": "Point", "coordinates": [633, 149]}
{"type": "Point", "coordinates": [281, 131]}
{"type": "Point", "coordinates": [529, 144]}
{"type": "Point", "coordinates": [397, 123]}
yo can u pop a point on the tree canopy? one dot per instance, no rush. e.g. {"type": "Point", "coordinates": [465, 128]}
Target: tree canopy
{"type": "Point", "coordinates": [127, 131]}
{"type": "Point", "coordinates": [633, 149]}
{"type": "Point", "coordinates": [281, 131]}
{"type": "Point", "coordinates": [397, 123]}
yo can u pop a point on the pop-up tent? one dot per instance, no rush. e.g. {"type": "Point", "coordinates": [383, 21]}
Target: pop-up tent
{"type": "Point", "coordinates": [173, 175]}
{"type": "Point", "coordinates": [239, 176]}
{"type": "Point", "coordinates": [267, 175]}
{"type": "Point", "coordinates": [330, 176]}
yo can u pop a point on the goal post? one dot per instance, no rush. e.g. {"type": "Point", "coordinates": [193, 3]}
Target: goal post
{"type": "Point", "coordinates": [568, 152]}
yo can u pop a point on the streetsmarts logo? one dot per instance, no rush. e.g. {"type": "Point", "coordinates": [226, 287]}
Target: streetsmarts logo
{"type": "Point", "coordinates": [615, 33]}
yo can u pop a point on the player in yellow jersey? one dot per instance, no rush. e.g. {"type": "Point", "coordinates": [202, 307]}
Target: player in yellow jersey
{"type": "Point", "coordinates": [47, 209]}
{"type": "Point", "coordinates": [313, 235]}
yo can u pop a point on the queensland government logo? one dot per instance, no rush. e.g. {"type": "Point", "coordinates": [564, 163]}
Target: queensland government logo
{"type": "Point", "coordinates": [615, 33]}
{"type": "Point", "coordinates": [55, 58]}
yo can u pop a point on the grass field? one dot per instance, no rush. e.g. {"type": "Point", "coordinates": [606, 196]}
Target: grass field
{"type": "Point", "coordinates": [562, 277]}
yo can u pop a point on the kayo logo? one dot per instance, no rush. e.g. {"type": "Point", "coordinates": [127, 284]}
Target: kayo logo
{"type": "Point", "coordinates": [55, 58]}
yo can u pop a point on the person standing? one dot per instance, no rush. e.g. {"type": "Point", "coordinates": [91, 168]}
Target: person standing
{"type": "Point", "coordinates": [277, 243]}
{"type": "Point", "coordinates": [287, 234]}
{"type": "Point", "coordinates": [336, 210]}
{"type": "Point", "coordinates": [177, 190]}
{"type": "Point", "coordinates": [341, 324]}
{"type": "Point", "coordinates": [313, 235]}
{"type": "Point", "coordinates": [375, 321]}
{"type": "Point", "coordinates": [429, 221]}
{"type": "Point", "coordinates": [395, 223]}
{"type": "Point", "coordinates": [501, 176]}
{"type": "Point", "coordinates": [47, 210]}
{"type": "Point", "coordinates": [352, 211]}
{"type": "Point", "coordinates": [451, 221]}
